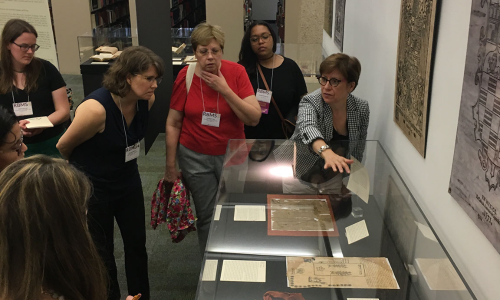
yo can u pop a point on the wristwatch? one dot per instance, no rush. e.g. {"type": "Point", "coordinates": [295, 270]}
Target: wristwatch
{"type": "Point", "coordinates": [322, 148]}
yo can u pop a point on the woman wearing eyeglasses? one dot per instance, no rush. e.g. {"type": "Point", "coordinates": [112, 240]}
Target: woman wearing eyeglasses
{"type": "Point", "coordinates": [31, 87]}
{"type": "Point", "coordinates": [332, 113]}
{"type": "Point", "coordinates": [282, 75]}
{"type": "Point", "coordinates": [12, 147]}
{"type": "Point", "coordinates": [200, 122]}
{"type": "Point", "coordinates": [103, 141]}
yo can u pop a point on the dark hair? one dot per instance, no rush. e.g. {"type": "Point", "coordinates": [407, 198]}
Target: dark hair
{"type": "Point", "coordinates": [247, 57]}
{"type": "Point", "coordinates": [133, 60]}
{"type": "Point", "coordinates": [348, 66]}
{"type": "Point", "coordinates": [45, 244]}
{"type": "Point", "coordinates": [7, 121]}
{"type": "Point", "coordinates": [12, 30]}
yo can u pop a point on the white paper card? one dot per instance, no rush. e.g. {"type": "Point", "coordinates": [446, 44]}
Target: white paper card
{"type": "Point", "coordinates": [243, 271]}
{"type": "Point", "coordinates": [264, 95]}
{"type": "Point", "coordinates": [22, 109]}
{"type": "Point", "coordinates": [250, 213]}
{"type": "Point", "coordinates": [99, 63]}
{"type": "Point", "coordinates": [359, 180]}
{"type": "Point", "coordinates": [426, 231]}
{"type": "Point", "coordinates": [177, 63]}
{"type": "Point", "coordinates": [356, 232]}
{"type": "Point", "coordinates": [132, 152]}
{"type": "Point", "coordinates": [218, 210]}
{"type": "Point", "coordinates": [210, 119]}
{"type": "Point", "coordinates": [39, 122]}
{"type": "Point", "coordinates": [176, 58]}
{"type": "Point", "coordinates": [210, 270]}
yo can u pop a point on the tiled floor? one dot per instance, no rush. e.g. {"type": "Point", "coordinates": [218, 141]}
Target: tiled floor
{"type": "Point", "coordinates": [173, 268]}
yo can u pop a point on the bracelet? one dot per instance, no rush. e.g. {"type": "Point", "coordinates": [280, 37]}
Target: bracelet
{"type": "Point", "coordinates": [322, 148]}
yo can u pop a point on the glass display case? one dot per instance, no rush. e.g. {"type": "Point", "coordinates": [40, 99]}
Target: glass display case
{"type": "Point", "coordinates": [119, 38]}
{"type": "Point", "coordinates": [278, 205]}
{"type": "Point", "coordinates": [181, 41]}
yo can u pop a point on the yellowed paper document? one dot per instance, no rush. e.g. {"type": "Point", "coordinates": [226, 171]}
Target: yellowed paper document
{"type": "Point", "coordinates": [39, 122]}
{"type": "Point", "coordinates": [250, 213]}
{"type": "Point", "coordinates": [210, 270]}
{"type": "Point", "coordinates": [440, 274]}
{"type": "Point", "coordinates": [359, 180]}
{"type": "Point", "coordinates": [301, 215]}
{"type": "Point", "coordinates": [177, 63]}
{"type": "Point", "coordinates": [243, 271]}
{"type": "Point", "coordinates": [347, 272]}
{"type": "Point", "coordinates": [218, 210]}
{"type": "Point", "coordinates": [356, 232]}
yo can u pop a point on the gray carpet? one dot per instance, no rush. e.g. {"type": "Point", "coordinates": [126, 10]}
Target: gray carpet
{"type": "Point", "coordinates": [174, 269]}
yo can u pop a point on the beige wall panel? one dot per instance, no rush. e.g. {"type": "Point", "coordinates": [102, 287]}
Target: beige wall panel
{"type": "Point", "coordinates": [71, 18]}
{"type": "Point", "coordinates": [229, 15]}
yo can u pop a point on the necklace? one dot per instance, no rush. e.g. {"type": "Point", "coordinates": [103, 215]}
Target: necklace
{"type": "Point", "coordinates": [53, 294]}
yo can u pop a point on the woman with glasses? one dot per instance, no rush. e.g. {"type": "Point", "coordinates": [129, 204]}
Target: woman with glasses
{"type": "Point", "coordinates": [332, 114]}
{"type": "Point", "coordinates": [31, 87]}
{"type": "Point", "coordinates": [103, 141]}
{"type": "Point", "coordinates": [220, 101]}
{"type": "Point", "coordinates": [12, 147]}
{"type": "Point", "coordinates": [282, 75]}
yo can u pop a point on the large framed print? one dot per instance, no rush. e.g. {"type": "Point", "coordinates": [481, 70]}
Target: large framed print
{"type": "Point", "coordinates": [413, 73]}
{"type": "Point", "coordinates": [338, 37]}
{"type": "Point", "coordinates": [475, 175]}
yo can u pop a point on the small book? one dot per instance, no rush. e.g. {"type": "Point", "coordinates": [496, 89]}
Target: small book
{"type": "Point", "coordinates": [190, 58]}
{"type": "Point", "coordinates": [39, 122]}
{"type": "Point", "coordinates": [106, 49]}
{"type": "Point", "coordinates": [179, 50]}
{"type": "Point", "coordinates": [102, 57]}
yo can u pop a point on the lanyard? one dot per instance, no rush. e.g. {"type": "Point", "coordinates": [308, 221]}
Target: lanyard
{"type": "Point", "coordinates": [13, 99]}
{"type": "Point", "coordinates": [272, 75]}
{"type": "Point", "coordinates": [202, 99]}
{"type": "Point", "coordinates": [123, 119]}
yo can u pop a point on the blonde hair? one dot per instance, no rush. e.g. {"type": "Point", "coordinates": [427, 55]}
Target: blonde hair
{"type": "Point", "coordinates": [205, 32]}
{"type": "Point", "coordinates": [44, 240]}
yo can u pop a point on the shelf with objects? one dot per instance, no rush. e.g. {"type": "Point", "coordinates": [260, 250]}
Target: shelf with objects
{"type": "Point", "coordinates": [305, 232]}
{"type": "Point", "coordinates": [182, 49]}
{"type": "Point", "coordinates": [187, 13]}
{"type": "Point", "coordinates": [109, 13]}
{"type": "Point", "coordinates": [97, 50]}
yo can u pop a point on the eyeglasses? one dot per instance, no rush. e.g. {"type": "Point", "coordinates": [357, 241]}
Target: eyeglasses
{"type": "Point", "coordinates": [205, 51]}
{"type": "Point", "coordinates": [151, 79]}
{"type": "Point", "coordinates": [333, 81]}
{"type": "Point", "coordinates": [18, 148]}
{"type": "Point", "coordinates": [264, 37]}
{"type": "Point", "coordinates": [25, 47]}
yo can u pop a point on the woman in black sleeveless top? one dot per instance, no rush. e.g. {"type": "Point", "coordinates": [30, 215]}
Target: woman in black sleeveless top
{"type": "Point", "coordinates": [104, 141]}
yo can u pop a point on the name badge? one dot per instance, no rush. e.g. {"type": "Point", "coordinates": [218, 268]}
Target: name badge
{"type": "Point", "coordinates": [22, 109]}
{"type": "Point", "coordinates": [264, 98]}
{"type": "Point", "coordinates": [132, 152]}
{"type": "Point", "coordinates": [210, 119]}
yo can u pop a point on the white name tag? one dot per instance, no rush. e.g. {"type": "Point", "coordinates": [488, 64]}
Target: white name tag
{"type": "Point", "coordinates": [22, 109]}
{"type": "Point", "coordinates": [132, 152]}
{"type": "Point", "coordinates": [264, 95]}
{"type": "Point", "coordinates": [210, 119]}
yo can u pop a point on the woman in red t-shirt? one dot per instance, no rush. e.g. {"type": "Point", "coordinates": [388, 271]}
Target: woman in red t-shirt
{"type": "Point", "coordinates": [220, 101]}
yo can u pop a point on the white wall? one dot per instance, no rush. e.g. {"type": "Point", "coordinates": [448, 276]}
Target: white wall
{"type": "Point", "coordinates": [264, 9]}
{"type": "Point", "coordinates": [228, 15]}
{"type": "Point", "coordinates": [371, 34]}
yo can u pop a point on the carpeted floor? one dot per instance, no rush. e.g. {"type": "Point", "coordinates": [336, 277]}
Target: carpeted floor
{"type": "Point", "coordinates": [174, 269]}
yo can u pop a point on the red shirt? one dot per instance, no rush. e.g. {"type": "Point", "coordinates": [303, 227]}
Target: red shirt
{"type": "Point", "coordinates": [208, 139]}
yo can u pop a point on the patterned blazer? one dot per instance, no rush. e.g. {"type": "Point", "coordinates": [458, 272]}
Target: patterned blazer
{"type": "Point", "coordinates": [315, 120]}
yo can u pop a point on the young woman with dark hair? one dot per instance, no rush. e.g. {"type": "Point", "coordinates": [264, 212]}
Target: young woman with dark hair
{"type": "Point", "coordinates": [283, 76]}
{"type": "Point", "coordinates": [12, 147]}
{"type": "Point", "coordinates": [31, 87]}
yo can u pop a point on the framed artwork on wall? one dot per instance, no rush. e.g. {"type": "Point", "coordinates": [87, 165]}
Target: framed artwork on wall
{"type": "Point", "coordinates": [475, 174]}
{"type": "Point", "coordinates": [328, 23]}
{"type": "Point", "coordinates": [339, 24]}
{"type": "Point", "coordinates": [413, 71]}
